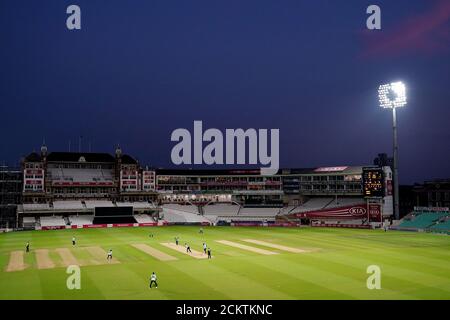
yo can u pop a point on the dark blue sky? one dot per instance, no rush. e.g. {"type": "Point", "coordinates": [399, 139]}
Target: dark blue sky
{"type": "Point", "coordinates": [140, 69]}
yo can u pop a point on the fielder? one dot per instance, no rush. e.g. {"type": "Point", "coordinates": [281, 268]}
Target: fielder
{"type": "Point", "coordinates": [109, 257]}
{"type": "Point", "coordinates": [73, 241]}
{"type": "Point", "coordinates": [28, 247]}
{"type": "Point", "coordinates": [153, 280]}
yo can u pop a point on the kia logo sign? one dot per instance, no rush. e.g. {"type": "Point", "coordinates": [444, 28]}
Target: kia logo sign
{"type": "Point", "coordinates": [357, 211]}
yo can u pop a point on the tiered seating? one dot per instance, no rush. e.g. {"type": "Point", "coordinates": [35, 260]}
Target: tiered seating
{"type": "Point", "coordinates": [174, 215]}
{"type": "Point", "coordinates": [218, 209]}
{"type": "Point", "coordinates": [442, 226]}
{"type": "Point", "coordinates": [53, 221]}
{"type": "Point", "coordinates": [81, 220]}
{"type": "Point", "coordinates": [143, 218]}
{"type": "Point", "coordinates": [29, 222]}
{"type": "Point", "coordinates": [136, 205]}
{"type": "Point", "coordinates": [287, 210]}
{"type": "Point", "coordinates": [259, 212]}
{"type": "Point", "coordinates": [91, 204]}
{"type": "Point", "coordinates": [342, 202]}
{"type": "Point", "coordinates": [189, 208]}
{"type": "Point", "coordinates": [421, 220]}
{"type": "Point", "coordinates": [80, 175]}
{"type": "Point", "coordinates": [68, 205]}
{"type": "Point", "coordinates": [313, 204]}
{"type": "Point", "coordinates": [35, 206]}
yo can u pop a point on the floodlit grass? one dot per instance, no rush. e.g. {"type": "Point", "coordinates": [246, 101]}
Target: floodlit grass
{"type": "Point", "coordinates": [413, 265]}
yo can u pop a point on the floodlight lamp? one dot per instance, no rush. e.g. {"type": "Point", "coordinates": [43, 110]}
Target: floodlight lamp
{"type": "Point", "coordinates": [392, 95]}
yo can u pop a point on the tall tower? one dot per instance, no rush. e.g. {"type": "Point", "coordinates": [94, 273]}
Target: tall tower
{"type": "Point", "coordinates": [118, 167]}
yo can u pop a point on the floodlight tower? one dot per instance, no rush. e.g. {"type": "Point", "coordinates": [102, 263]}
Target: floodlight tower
{"type": "Point", "coordinates": [393, 96]}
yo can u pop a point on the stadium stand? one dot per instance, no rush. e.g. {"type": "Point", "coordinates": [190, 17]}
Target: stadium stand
{"type": "Point", "coordinates": [217, 209]}
{"type": "Point", "coordinates": [340, 202]}
{"type": "Point", "coordinates": [143, 218]}
{"type": "Point", "coordinates": [172, 213]}
{"type": "Point", "coordinates": [136, 205]}
{"type": "Point", "coordinates": [91, 204]}
{"type": "Point", "coordinates": [259, 212]}
{"type": "Point", "coordinates": [53, 221]}
{"type": "Point", "coordinates": [441, 226]}
{"type": "Point", "coordinates": [313, 204]}
{"type": "Point", "coordinates": [68, 205]}
{"type": "Point", "coordinates": [81, 220]}
{"type": "Point", "coordinates": [81, 176]}
{"type": "Point", "coordinates": [35, 206]}
{"type": "Point", "coordinates": [421, 220]}
{"type": "Point", "coordinates": [189, 208]}
{"type": "Point", "coordinates": [287, 210]}
{"type": "Point", "coordinates": [29, 223]}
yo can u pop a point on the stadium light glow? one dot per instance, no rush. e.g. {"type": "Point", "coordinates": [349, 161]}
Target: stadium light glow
{"type": "Point", "coordinates": [392, 95]}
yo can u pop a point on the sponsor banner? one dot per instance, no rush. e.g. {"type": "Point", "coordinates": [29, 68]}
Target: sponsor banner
{"type": "Point", "coordinates": [95, 226]}
{"type": "Point", "coordinates": [246, 224]}
{"type": "Point", "coordinates": [119, 225]}
{"type": "Point", "coordinates": [56, 183]}
{"type": "Point", "coordinates": [431, 209]}
{"type": "Point", "coordinates": [283, 224]}
{"type": "Point", "coordinates": [263, 224]}
{"type": "Point", "coordinates": [374, 212]}
{"type": "Point", "coordinates": [53, 227]}
{"type": "Point", "coordinates": [330, 169]}
{"type": "Point", "coordinates": [347, 212]}
{"type": "Point", "coordinates": [148, 224]}
{"type": "Point", "coordinates": [389, 188]}
{"type": "Point", "coordinates": [333, 225]}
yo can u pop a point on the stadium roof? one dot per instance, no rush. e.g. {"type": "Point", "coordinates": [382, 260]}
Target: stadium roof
{"type": "Point", "coordinates": [257, 171]}
{"type": "Point", "coordinates": [126, 159]}
{"type": "Point", "coordinates": [33, 157]}
{"type": "Point", "coordinates": [79, 157]}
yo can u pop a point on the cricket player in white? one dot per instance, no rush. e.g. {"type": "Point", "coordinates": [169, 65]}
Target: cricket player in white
{"type": "Point", "coordinates": [109, 257]}
{"type": "Point", "coordinates": [153, 280]}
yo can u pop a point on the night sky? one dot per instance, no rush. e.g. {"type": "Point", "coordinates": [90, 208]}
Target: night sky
{"type": "Point", "coordinates": [137, 70]}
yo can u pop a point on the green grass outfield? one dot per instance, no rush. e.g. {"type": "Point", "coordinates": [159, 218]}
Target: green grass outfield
{"type": "Point", "coordinates": [413, 265]}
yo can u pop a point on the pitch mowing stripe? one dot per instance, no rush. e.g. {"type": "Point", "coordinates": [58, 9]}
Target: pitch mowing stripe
{"type": "Point", "coordinates": [401, 256]}
{"type": "Point", "coordinates": [389, 278]}
{"type": "Point", "coordinates": [43, 259]}
{"type": "Point", "coordinates": [176, 282]}
{"type": "Point", "coordinates": [426, 253]}
{"type": "Point", "coordinates": [347, 245]}
{"type": "Point", "coordinates": [387, 259]}
{"type": "Point", "coordinates": [275, 246]}
{"type": "Point", "coordinates": [67, 257]}
{"type": "Point", "coordinates": [419, 277]}
{"type": "Point", "coordinates": [356, 271]}
{"type": "Point", "coordinates": [195, 254]}
{"type": "Point", "coordinates": [330, 281]}
{"type": "Point", "coordinates": [159, 255]}
{"type": "Point", "coordinates": [231, 284]}
{"type": "Point", "coordinates": [290, 282]}
{"type": "Point", "coordinates": [381, 254]}
{"type": "Point", "coordinates": [122, 283]}
{"type": "Point", "coordinates": [245, 247]}
{"type": "Point", "coordinates": [16, 262]}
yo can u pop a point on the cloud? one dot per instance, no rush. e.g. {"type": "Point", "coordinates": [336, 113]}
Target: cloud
{"type": "Point", "coordinates": [426, 33]}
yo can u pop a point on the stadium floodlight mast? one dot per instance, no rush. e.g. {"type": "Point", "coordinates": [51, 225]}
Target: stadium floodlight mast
{"type": "Point", "coordinates": [393, 96]}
